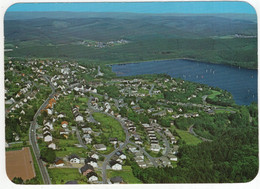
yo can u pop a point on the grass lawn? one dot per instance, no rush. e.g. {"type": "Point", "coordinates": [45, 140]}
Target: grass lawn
{"type": "Point", "coordinates": [63, 175]}
{"type": "Point", "coordinates": [214, 94]}
{"type": "Point", "coordinates": [83, 99]}
{"type": "Point", "coordinates": [126, 174]}
{"type": "Point", "coordinates": [68, 148]}
{"type": "Point", "coordinates": [188, 138]}
{"type": "Point", "coordinates": [110, 126]}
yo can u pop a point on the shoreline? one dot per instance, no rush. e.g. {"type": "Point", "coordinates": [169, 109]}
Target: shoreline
{"type": "Point", "coordinates": [189, 59]}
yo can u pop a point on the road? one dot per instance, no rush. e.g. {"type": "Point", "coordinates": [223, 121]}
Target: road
{"type": "Point", "coordinates": [204, 99]}
{"type": "Point", "coordinates": [33, 140]}
{"type": "Point", "coordinates": [80, 139]}
{"type": "Point", "coordinates": [192, 132]}
{"type": "Point", "coordinates": [151, 90]}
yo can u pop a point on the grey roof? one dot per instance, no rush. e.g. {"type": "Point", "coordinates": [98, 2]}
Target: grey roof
{"type": "Point", "coordinates": [86, 167]}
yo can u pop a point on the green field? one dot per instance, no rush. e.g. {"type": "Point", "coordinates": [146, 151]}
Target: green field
{"type": "Point", "coordinates": [63, 175]}
{"type": "Point", "coordinates": [126, 174]}
{"type": "Point", "coordinates": [67, 147]}
{"type": "Point", "coordinates": [188, 138]}
{"type": "Point", "coordinates": [214, 94]}
{"type": "Point", "coordinates": [110, 126]}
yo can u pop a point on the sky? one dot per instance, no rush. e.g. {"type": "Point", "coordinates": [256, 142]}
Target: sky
{"type": "Point", "coordinates": [141, 7]}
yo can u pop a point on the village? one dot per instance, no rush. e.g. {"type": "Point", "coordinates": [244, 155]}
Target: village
{"type": "Point", "coordinates": [97, 128]}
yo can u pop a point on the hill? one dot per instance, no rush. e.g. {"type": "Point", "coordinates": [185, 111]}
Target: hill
{"type": "Point", "coordinates": [158, 36]}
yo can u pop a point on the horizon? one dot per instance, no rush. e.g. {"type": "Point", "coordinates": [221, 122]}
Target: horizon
{"type": "Point", "coordinates": [139, 7]}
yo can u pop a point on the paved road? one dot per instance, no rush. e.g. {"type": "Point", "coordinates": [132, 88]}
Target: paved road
{"type": "Point", "coordinates": [151, 90]}
{"type": "Point", "coordinates": [204, 99]}
{"type": "Point", "coordinates": [80, 139]}
{"type": "Point", "coordinates": [32, 136]}
{"type": "Point", "coordinates": [192, 132]}
{"type": "Point", "coordinates": [166, 142]}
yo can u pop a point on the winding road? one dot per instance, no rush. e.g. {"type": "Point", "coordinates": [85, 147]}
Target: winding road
{"type": "Point", "coordinates": [32, 136]}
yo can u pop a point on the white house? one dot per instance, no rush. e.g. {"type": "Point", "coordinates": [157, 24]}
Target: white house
{"type": "Point", "coordinates": [87, 130]}
{"type": "Point", "coordinates": [115, 165]}
{"type": "Point", "coordinates": [100, 147]}
{"type": "Point", "coordinates": [49, 111]}
{"type": "Point", "coordinates": [47, 138]}
{"type": "Point", "coordinates": [172, 157]}
{"type": "Point", "coordinates": [52, 145]}
{"type": "Point", "coordinates": [91, 161]}
{"type": "Point", "coordinates": [22, 112]}
{"type": "Point", "coordinates": [94, 155]}
{"type": "Point", "coordinates": [92, 177]}
{"type": "Point", "coordinates": [87, 138]}
{"type": "Point", "coordinates": [155, 147]}
{"type": "Point", "coordinates": [74, 159]}
{"type": "Point", "coordinates": [79, 118]}
{"type": "Point", "coordinates": [49, 124]}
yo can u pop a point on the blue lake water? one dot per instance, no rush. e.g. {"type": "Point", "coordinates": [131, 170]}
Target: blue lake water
{"type": "Point", "coordinates": [240, 82]}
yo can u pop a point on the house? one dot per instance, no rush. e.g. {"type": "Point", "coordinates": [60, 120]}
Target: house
{"type": "Point", "coordinates": [49, 111]}
{"type": "Point", "coordinates": [64, 124]}
{"type": "Point", "coordinates": [49, 124]}
{"type": "Point", "coordinates": [116, 158]}
{"type": "Point", "coordinates": [87, 130]}
{"type": "Point", "coordinates": [121, 155]}
{"type": "Point", "coordinates": [100, 147]}
{"type": "Point", "coordinates": [61, 115]}
{"type": "Point", "coordinates": [116, 180]}
{"type": "Point", "coordinates": [132, 149]}
{"type": "Point", "coordinates": [113, 140]}
{"type": "Point", "coordinates": [87, 138]}
{"type": "Point", "coordinates": [139, 154]}
{"type": "Point", "coordinates": [59, 163]}
{"type": "Point", "coordinates": [52, 145]}
{"type": "Point", "coordinates": [142, 164]}
{"type": "Point", "coordinates": [46, 129]}
{"type": "Point", "coordinates": [155, 147]}
{"type": "Point", "coordinates": [92, 176]}
{"type": "Point", "coordinates": [172, 157]}
{"type": "Point", "coordinates": [94, 155]}
{"type": "Point", "coordinates": [86, 169]}
{"type": "Point", "coordinates": [47, 137]}
{"type": "Point", "coordinates": [74, 158]}
{"type": "Point", "coordinates": [139, 159]}
{"type": "Point", "coordinates": [91, 161]}
{"type": "Point", "coordinates": [115, 165]}
{"type": "Point", "coordinates": [78, 117]}
{"type": "Point", "coordinates": [165, 161]}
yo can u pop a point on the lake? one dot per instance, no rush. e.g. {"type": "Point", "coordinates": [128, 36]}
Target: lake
{"type": "Point", "coordinates": [240, 82]}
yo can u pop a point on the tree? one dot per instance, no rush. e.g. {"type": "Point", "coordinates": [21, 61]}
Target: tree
{"type": "Point", "coordinates": [48, 155]}
{"type": "Point", "coordinates": [17, 180]}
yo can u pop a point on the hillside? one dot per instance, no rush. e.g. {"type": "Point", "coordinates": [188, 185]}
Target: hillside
{"type": "Point", "coordinates": [225, 38]}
